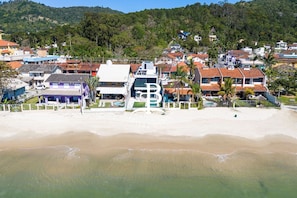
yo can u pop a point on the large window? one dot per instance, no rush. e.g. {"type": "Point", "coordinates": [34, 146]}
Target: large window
{"type": "Point", "coordinates": [247, 81]}
{"type": "Point", "coordinates": [215, 79]}
{"type": "Point", "coordinates": [258, 80]}
{"type": "Point", "coordinates": [140, 82]}
{"type": "Point", "coordinates": [205, 80]}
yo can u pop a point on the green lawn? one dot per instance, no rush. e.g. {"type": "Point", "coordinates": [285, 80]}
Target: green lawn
{"type": "Point", "coordinates": [288, 100]}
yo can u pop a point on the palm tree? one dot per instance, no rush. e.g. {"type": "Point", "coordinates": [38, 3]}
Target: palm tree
{"type": "Point", "coordinates": [180, 78]}
{"type": "Point", "coordinates": [196, 93]}
{"type": "Point", "coordinates": [92, 83]}
{"type": "Point", "coordinates": [269, 61]}
{"type": "Point", "coordinates": [191, 67]}
{"type": "Point", "coordinates": [227, 91]}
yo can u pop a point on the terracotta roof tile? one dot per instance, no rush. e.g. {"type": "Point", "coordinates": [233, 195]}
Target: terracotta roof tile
{"type": "Point", "coordinates": [211, 87]}
{"type": "Point", "coordinates": [209, 72]}
{"type": "Point", "coordinates": [167, 68]}
{"type": "Point", "coordinates": [134, 67]}
{"type": "Point", "coordinates": [252, 73]}
{"type": "Point", "coordinates": [4, 43]}
{"type": "Point", "coordinates": [232, 73]}
{"type": "Point", "coordinates": [15, 64]}
{"type": "Point", "coordinates": [182, 91]}
{"type": "Point", "coordinates": [260, 88]}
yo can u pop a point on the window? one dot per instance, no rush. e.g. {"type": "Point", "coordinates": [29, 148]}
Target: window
{"type": "Point", "coordinates": [215, 79]}
{"type": "Point", "coordinates": [258, 80]}
{"type": "Point", "coordinates": [247, 81]}
{"type": "Point", "coordinates": [55, 85]}
{"type": "Point", "coordinates": [205, 80]}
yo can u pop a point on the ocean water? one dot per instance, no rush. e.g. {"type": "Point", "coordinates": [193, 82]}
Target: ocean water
{"type": "Point", "coordinates": [83, 165]}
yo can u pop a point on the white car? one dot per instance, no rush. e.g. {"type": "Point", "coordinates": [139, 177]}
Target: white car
{"type": "Point", "coordinates": [40, 87]}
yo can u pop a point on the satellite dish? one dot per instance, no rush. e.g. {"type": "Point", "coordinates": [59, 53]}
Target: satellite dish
{"type": "Point", "coordinates": [109, 62]}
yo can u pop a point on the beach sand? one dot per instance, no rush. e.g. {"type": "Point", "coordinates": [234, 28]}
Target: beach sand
{"type": "Point", "coordinates": [218, 130]}
{"type": "Point", "coordinates": [243, 122]}
{"type": "Point", "coordinates": [183, 153]}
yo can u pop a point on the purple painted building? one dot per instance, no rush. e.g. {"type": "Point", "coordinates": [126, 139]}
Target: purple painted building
{"type": "Point", "coordinates": [66, 88]}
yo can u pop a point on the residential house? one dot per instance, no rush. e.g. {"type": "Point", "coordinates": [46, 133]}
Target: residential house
{"type": "Point", "coordinates": [211, 79]}
{"type": "Point", "coordinates": [280, 46]}
{"type": "Point", "coordinates": [36, 74]}
{"type": "Point", "coordinates": [146, 73]}
{"type": "Point", "coordinates": [66, 88]}
{"type": "Point", "coordinates": [77, 66]}
{"type": "Point", "coordinates": [287, 57]}
{"type": "Point", "coordinates": [49, 59]}
{"type": "Point", "coordinates": [14, 89]}
{"type": "Point", "coordinates": [7, 47]}
{"type": "Point", "coordinates": [114, 80]}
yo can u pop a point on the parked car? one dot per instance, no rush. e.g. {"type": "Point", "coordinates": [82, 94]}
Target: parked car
{"type": "Point", "coordinates": [40, 87]}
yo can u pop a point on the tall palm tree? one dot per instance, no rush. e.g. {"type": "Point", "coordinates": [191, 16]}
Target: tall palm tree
{"type": "Point", "coordinates": [92, 83]}
{"type": "Point", "coordinates": [191, 67]}
{"type": "Point", "coordinates": [196, 93]}
{"type": "Point", "coordinates": [180, 78]}
{"type": "Point", "coordinates": [227, 91]}
{"type": "Point", "coordinates": [269, 61]}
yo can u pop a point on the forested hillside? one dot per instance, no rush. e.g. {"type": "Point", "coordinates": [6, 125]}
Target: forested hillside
{"type": "Point", "coordinates": [28, 16]}
{"type": "Point", "coordinates": [147, 33]}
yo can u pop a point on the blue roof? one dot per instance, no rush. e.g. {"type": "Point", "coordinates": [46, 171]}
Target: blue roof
{"type": "Point", "coordinates": [40, 59]}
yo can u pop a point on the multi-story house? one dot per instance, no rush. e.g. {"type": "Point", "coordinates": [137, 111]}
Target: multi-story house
{"type": "Point", "coordinates": [66, 88]}
{"type": "Point", "coordinates": [114, 80]}
{"type": "Point", "coordinates": [36, 74]}
{"type": "Point", "coordinates": [211, 79]}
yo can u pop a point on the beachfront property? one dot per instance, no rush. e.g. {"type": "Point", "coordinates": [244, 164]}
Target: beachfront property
{"type": "Point", "coordinates": [210, 80]}
{"type": "Point", "coordinates": [114, 81]}
{"type": "Point", "coordinates": [37, 74]}
{"type": "Point", "coordinates": [66, 88]}
{"type": "Point", "coordinates": [120, 82]}
{"type": "Point", "coordinates": [14, 90]}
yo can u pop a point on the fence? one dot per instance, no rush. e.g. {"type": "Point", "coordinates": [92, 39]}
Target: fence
{"type": "Point", "coordinates": [31, 107]}
{"type": "Point", "coordinates": [180, 105]}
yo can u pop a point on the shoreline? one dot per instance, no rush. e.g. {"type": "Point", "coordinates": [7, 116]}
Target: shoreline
{"type": "Point", "coordinates": [250, 123]}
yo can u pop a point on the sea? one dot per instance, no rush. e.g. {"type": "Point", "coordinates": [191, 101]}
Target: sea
{"type": "Point", "coordinates": [143, 166]}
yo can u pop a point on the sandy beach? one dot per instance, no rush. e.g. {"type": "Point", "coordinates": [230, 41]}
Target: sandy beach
{"type": "Point", "coordinates": [183, 153]}
{"type": "Point", "coordinates": [249, 123]}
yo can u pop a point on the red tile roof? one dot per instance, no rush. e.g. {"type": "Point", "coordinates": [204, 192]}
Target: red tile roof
{"type": "Point", "coordinates": [182, 91]}
{"type": "Point", "coordinates": [209, 72]}
{"type": "Point", "coordinates": [252, 73]}
{"type": "Point", "coordinates": [4, 43]}
{"type": "Point", "coordinates": [201, 56]}
{"type": "Point", "coordinates": [166, 68]}
{"type": "Point", "coordinates": [211, 87]}
{"type": "Point", "coordinates": [260, 88]}
{"type": "Point", "coordinates": [134, 67]}
{"type": "Point", "coordinates": [15, 64]}
{"type": "Point", "coordinates": [232, 73]}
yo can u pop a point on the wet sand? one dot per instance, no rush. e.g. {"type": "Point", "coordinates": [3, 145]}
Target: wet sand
{"type": "Point", "coordinates": [120, 154]}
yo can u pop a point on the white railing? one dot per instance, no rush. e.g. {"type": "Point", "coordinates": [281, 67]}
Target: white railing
{"type": "Point", "coordinates": [32, 107]}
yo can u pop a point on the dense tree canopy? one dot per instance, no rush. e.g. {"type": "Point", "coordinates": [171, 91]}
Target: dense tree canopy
{"type": "Point", "coordinates": [141, 34]}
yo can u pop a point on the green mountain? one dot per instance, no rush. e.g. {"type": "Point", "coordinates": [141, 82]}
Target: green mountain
{"type": "Point", "coordinates": [28, 16]}
{"type": "Point", "coordinates": [102, 32]}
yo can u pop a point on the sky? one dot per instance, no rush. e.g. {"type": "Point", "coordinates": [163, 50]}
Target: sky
{"type": "Point", "coordinates": [127, 6]}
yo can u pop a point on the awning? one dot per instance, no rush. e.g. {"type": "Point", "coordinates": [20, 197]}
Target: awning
{"type": "Point", "coordinates": [61, 92]}
{"type": "Point", "coordinates": [112, 90]}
